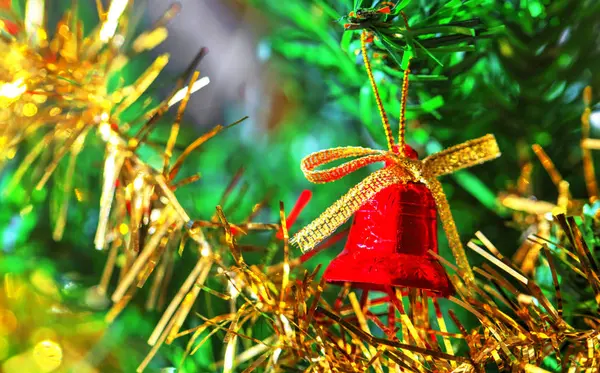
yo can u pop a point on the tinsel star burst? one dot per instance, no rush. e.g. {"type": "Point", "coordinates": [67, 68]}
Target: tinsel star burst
{"type": "Point", "coordinates": [59, 85]}
{"type": "Point", "coordinates": [54, 88]}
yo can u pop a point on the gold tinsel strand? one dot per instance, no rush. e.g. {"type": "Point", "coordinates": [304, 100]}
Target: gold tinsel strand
{"type": "Point", "coordinates": [520, 325]}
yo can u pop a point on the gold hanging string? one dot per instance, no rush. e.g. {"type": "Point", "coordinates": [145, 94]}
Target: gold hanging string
{"type": "Point", "coordinates": [402, 129]}
{"type": "Point", "coordinates": [384, 118]}
{"type": "Point", "coordinates": [405, 18]}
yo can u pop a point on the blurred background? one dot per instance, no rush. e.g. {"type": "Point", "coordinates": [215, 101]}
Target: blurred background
{"type": "Point", "coordinates": [290, 68]}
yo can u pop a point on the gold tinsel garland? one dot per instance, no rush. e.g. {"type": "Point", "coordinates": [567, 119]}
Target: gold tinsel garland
{"type": "Point", "coordinates": [520, 324]}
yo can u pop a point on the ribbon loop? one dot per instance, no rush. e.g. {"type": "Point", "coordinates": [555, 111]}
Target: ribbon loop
{"type": "Point", "coordinates": [467, 154]}
{"type": "Point", "coordinates": [365, 157]}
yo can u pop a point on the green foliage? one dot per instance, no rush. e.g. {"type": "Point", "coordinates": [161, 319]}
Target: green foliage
{"type": "Point", "coordinates": [437, 39]}
{"type": "Point", "coordinates": [515, 69]}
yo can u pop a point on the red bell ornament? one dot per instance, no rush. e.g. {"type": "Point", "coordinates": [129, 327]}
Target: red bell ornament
{"type": "Point", "coordinates": [389, 242]}
{"type": "Point", "coordinates": [395, 209]}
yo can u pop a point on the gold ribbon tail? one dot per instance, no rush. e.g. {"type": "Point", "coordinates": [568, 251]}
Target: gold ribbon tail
{"type": "Point", "coordinates": [343, 209]}
{"type": "Point", "coordinates": [450, 228]}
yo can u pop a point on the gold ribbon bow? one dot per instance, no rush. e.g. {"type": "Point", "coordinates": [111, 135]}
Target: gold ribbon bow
{"type": "Point", "coordinates": [403, 170]}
